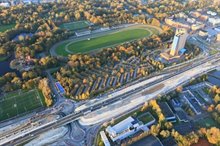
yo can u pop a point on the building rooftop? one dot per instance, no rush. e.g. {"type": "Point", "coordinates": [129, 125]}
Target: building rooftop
{"type": "Point", "coordinates": [175, 102]}
{"type": "Point", "coordinates": [211, 32]}
{"type": "Point", "coordinates": [169, 142]}
{"type": "Point", "coordinates": [166, 110]}
{"type": "Point", "coordinates": [105, 139]}
{"type": "Point", "coordinates": [193, 101]}
{"type": "Point", "coordinates": [182, 51]}
{"type": "Point", "coordinates": [184, 128]}
{"type": "Point", "coordinates": [122, 126]}
{"type": "Point", "coordinates": [181, 115]}
{"type": "Point", "coordinates": [60, 87]}
{"type": "Point", "coordinates": [148, 141]}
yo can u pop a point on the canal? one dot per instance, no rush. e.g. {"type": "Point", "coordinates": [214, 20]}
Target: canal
{"type": "Point", "coordinates": [5, 67]}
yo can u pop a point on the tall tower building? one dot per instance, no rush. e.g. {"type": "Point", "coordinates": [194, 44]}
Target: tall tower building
{"type": "Point", "coordinates": [178, 41]}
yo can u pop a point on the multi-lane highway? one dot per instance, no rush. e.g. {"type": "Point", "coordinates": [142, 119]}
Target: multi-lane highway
{"type": "Point", "coordinates": [110, 99]}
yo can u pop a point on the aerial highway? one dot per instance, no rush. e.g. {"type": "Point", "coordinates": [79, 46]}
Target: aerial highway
{"type": "Point", "coordinates": [106, 100]}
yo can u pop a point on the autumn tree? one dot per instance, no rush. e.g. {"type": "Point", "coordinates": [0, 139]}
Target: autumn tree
{"type": "Point", "coordinates": [44, 87]}
{"type": "Point", "coordinates": [212, 134]}
{"type": "Point", "coordinates": [165, 133]}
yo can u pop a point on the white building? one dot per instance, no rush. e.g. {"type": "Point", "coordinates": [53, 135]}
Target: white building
{"type": "Point", "coordinates": [214, 21]}
{"type": "Point", "coordinates": [27, 1]}
{"type": "Point", "coordinates": [82, 33]}
{"type": "Point", "coordinates": [126, 128]}
{"type": "Point", "coordinates": [191, 20]}
{"type": "Point", "coordinates": [181, 15]}
{"type": "Point", "coordinates": [211, 13]}
{"type": "Point", "coordinates": [4, 4]}
{"type": "Point", "coordinates": [104, 139]}
{"type": "Point", "coordinates": [197, 26]}
{"type": "Point", "coordinates": [178, 41]}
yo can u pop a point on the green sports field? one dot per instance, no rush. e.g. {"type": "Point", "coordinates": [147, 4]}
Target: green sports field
{"type": "Point", "coordinates": [102, 42]}
{"type": "Point", "coordinates": [3, 28]}
{"type": "Point", "coordinates": [20, 102]}
{"type": "Point", "coordinates": [75, 25]}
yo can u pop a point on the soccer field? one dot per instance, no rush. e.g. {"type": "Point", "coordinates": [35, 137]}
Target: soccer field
{"type": "Point", "coordinates": [101, 42]}
{"type": "Point", "coordinates": [19, 102]}
{"type": "Point", "coordinates": [3, 28]}
{"type": "Point", "coordinates": [75, 25]}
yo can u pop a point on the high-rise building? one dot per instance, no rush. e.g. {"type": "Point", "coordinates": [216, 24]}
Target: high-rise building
{"type": "Point", "coordinates": [177, 48]}
{"type": "Point", "coordinates": [178, 41]}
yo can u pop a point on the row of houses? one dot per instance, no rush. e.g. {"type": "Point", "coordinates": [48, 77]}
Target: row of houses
{"type": "Point", "coordinates": [105, 82]}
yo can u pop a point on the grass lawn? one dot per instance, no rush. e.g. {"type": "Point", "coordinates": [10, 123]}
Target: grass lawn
{"type": "Point", "coordinates": [206, 90]}
{"type": "Point", "coordinates": [61, 49]}
{"type": "Point", "coordinates": [212, 52]}
{"type": "Point", "coordinates": [206, 122]}
{"type": "Point", "coordinates": [98, 140]}
{"type": "Point", "coordinates": [101, 42]}
{"type": "Point", "coordinates": [19, 102]}
{"type": "Point", "coordinates": [75, 25]}
{"type": "Point", "coordinates": [3, 28]}
{"type": "Point", "coordinates": [146, 118]}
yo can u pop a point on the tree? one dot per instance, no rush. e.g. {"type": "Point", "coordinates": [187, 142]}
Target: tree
{"type": "Point", "coordinates": [165, 133]}
{"type": "Point", "coordinates": [217, 98]}
{"type": "Point", "coordinates": [181, 140]}
{"type": "Point", "coordinates": [161, 117]}
{"type": "Point", "coordinates": [213, 135]}
{"type": "Point", "coordinates": [217, 108]}
{"type": "Point", "coordinates": [112, 121]}
{"type": "Point", "coordinates": [155, 129]}
{"type": "Point", "coordinates": [192, 138]}
{"type": "Point", "coordinates": [144, 107]}
{"type": "Point", "coordinates": [155, 22]}
{"type": "Point", "coordinates": [179, 89]}
{"type": "Point", "coordinates": [77, 15]}
{"type": "Point", "coordinates": [44, 87]}
{"type": "Point", "coordinates": [101, 143]}
{"type": "Point", "coordinates": [168, 125]}
{"type": "Point", "coordinates": [211, 108]}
